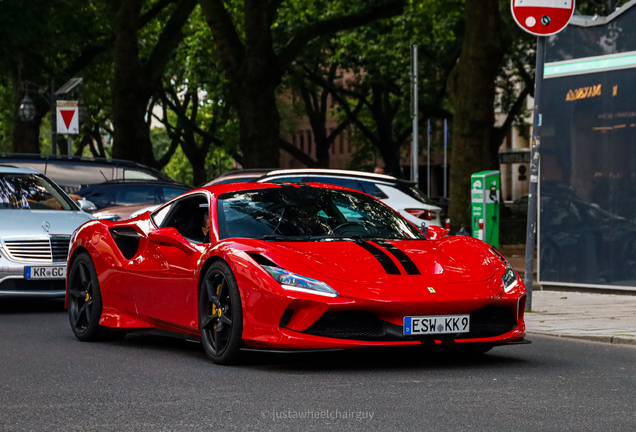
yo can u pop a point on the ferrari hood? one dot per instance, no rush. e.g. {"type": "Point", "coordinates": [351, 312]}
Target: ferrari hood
{"type": "Point", "coordinates": [452, 260]}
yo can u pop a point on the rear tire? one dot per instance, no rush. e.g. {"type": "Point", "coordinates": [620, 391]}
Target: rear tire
{"type": "Point", "coordinates": [220, 315]}
{"type": "Point", "coordinates": [85, 302]}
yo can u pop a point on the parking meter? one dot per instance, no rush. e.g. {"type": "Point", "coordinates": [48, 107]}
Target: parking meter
{"type": "Point", "coordinates": [485, 201]}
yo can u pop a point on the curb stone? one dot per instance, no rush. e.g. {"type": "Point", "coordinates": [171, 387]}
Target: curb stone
{"type": "Point", "coordinates": [622, 340]}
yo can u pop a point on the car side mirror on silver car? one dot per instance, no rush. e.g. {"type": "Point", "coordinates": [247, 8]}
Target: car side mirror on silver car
{"type": "Point", "coordinates": [86, 205]}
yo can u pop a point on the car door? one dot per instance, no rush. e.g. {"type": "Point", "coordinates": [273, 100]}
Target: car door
{"type": "Point", "coordinates": [168, 293]}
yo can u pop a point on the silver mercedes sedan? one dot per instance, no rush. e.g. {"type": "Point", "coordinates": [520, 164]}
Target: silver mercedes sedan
{"type": "Point", "coordinates": [37, 219]}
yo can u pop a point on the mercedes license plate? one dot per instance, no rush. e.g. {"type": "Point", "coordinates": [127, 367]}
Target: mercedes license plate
{"type": "Point", "coordinates": [436, 324]}
{"type": "Point", "coordinates": [45, 272]}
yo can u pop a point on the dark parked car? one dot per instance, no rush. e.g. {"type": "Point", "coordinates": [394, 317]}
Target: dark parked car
{"type": "Point", "coordinates": [580, 242]}
{"type": "Point", "coordinates": [123, 192]}
{"type": "Point", "coordinates": [519, 207]}
{"type": "Point", "coordinates": [71, 173]}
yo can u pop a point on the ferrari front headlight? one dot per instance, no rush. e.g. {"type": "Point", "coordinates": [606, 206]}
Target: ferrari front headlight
{"type": "Point", "coordinates": [509, 278]}
{"type": "Point", "coordinates": [293, 282]}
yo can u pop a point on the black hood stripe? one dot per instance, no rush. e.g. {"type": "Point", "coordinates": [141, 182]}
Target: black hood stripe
{"type": "Point", "coordinates": [386, 262]}
{"type": "Point", "coordinates": [402, 257]}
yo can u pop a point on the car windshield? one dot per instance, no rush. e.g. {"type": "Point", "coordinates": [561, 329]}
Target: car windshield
{"type": "Point", "coordinates": [309, 214]}
{"type": "Point", "coordinates": [30, 192]}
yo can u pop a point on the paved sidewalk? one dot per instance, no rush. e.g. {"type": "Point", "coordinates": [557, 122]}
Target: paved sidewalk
{"type": "Point", "coordinates": [596, 317]}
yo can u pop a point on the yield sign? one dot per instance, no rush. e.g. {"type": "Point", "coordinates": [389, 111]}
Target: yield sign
{"type": "Point", "coordinates": [542, 17]}
{"type": "Point", "coordinates": [67, 117]}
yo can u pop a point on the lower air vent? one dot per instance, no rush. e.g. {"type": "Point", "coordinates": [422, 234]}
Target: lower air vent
{"type": "Point", "coordinates": [348, 325]}
{"type": "Point", "coordinates": [491, 321]}
{"type": "Point", "coordinates": [127, 240]}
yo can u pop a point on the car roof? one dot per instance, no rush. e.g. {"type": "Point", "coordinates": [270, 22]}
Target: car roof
{"type": "Point", "coordinates": [82, 160]}
{"type": "Point", "coordinates": [17, 170]}
{"type": "Point", "coordinates": [336, 173]}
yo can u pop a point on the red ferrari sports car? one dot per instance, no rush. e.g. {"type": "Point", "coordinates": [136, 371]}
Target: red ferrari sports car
{"type": "Point", "coordinates": [284, 267]}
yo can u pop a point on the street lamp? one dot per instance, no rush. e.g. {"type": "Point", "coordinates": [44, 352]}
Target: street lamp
{"type": "Point", "coordinates": [27, 110]}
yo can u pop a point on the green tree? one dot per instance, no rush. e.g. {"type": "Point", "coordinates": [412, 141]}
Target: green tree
{"type": "Point", "coordinates": [257, 41]}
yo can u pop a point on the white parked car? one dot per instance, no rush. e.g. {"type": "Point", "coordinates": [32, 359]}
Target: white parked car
{"type": "Point", "coordinates": [398, 194]}
{"type": "Point", "coordinates": [37, 219]}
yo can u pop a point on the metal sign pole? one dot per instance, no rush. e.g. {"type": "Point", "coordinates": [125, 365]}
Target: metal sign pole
{"type": "Point", "coordinates": [414, 148]}
{"type": "Point", "coordinates": [531, 229]}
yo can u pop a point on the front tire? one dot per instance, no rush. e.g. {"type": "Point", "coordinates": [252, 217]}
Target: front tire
{"type": "Point", "coordinates": [85, 302]}
{"type": "Point", "coordinates": [220, 314]}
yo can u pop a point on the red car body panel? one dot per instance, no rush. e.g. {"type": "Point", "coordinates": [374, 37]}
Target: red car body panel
{"type": "Point", "coordinates": [159, 286]}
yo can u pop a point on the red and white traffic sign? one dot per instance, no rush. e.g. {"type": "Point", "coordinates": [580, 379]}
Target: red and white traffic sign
{"type": "Point", "coordinates": [67, 117]}
{"type": "Point", "coordinates": [542, 17]}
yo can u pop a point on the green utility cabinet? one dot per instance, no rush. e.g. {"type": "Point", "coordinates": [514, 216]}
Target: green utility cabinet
{"type": "Point", "coordinates": [485, 201]}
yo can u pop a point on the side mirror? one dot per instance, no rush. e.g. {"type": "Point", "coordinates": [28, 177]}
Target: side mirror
{"type": "Point", "coordinates": [434, 232]}
{"type": "Point", "coordinates": [171, 237]}
{"type": "Point", "coordinates": [86, 205]}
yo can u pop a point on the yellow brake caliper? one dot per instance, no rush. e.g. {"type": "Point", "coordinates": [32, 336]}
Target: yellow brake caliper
{"type": "Point", "coordinates": [215, 310]}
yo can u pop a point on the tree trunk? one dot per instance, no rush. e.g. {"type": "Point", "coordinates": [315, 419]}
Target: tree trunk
{"type": "Point", "coordinates": [260, 121]}
{"type": "Point", "coordinates": [130, 93]}
{"type": "Point", "coordinates": [472, 93]}
{"type": "Point", "coordinates": [391, 160]}
{"type": "Point", "coordinates": [322, 149]}
{"type": "Point", "coordinates": [26, 135]}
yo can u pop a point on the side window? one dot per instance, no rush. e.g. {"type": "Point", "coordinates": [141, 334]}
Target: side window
{"type": "Point", "coordinates": [160, 216]}
{"type": "Point", "coordinates": [171, 192]}
{"type": "Point", "coordinates": [146, 194]}
{"type": "Point", "coordinates": [102, 197]}
{"type": "Point", "coordinates": [130, 174]}
{"type": "Point", "coordinates": [373, 190]}
{"type": "Point", "coordinates": [191, 217]}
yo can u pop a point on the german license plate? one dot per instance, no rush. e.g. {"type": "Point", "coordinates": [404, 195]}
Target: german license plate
{"type": "Point", "coordinates": [48, 272]}
{"type": "Point", "coordinates": [436, 324]}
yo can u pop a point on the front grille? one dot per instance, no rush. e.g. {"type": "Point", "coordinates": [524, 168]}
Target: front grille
{"type": "Point", "coordinates": [486, 322]}
{"type": "Point", "coordinates": [348, 325]}
{"type": "Point", "coordinates": [59, 247]}
{"type": "Point", "coordinates": [53, 249]}
{"type": "Point", "coordinates": [32, 285]}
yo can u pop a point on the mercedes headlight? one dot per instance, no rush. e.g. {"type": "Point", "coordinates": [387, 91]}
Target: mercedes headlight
{"type": "Point", "coordinates": [509, 278]}
{"type": "Point", "coordinates": [293, 282]}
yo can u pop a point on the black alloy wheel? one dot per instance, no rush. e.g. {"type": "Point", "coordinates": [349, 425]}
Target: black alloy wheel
{"type": "Point", "coordinates": [220, 314]}
{"type": "Point", "coordinates": [85, 302]}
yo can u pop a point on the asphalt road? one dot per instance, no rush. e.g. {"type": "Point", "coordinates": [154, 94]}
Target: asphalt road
{"type": "Point", "coordinates": [51, 381]}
